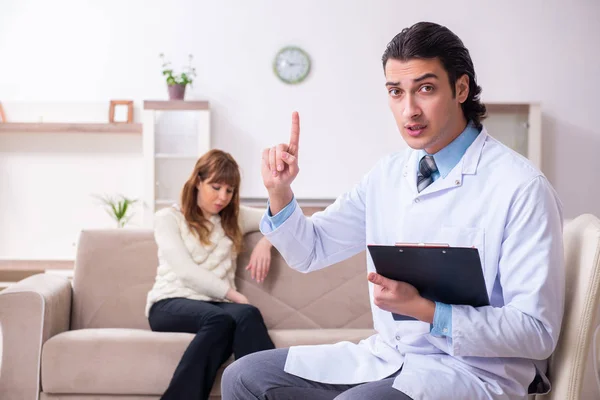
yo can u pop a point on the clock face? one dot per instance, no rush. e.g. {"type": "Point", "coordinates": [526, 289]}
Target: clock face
{"type": "Point", "coordinates": [291, 65]}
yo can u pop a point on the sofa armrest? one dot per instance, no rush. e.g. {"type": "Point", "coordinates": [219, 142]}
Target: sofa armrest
{"type": "Point", "coordinates": [31, 312]}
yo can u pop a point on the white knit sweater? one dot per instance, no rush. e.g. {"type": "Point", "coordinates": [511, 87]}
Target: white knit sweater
{"type": "Point", "coordinates": [189, 269]}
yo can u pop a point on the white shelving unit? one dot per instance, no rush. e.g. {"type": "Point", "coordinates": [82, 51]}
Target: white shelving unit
{"type": "Point", "coordinates": [175, 135]}
{"type": "Point", "coordinates": [519, 126]}
{"type": "Point", "coordinates": [175, 156]}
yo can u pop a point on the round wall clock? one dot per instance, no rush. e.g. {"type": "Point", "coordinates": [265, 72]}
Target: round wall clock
{"type": "Point", "coordinates": [291, 65]}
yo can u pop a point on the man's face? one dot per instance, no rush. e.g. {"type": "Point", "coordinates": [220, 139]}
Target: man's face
{"type": "Point", "coordinates": [427, 114]}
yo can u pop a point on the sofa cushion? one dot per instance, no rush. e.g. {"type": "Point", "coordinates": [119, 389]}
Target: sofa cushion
{"type": "Point", "coordinates": [336, 297]}
{"type": "Point", "coordinates": [140, 362]}
{"type": "Point", "coordinates": [116, 268]}
{"type": "Point", "coordinates": [114, 271]}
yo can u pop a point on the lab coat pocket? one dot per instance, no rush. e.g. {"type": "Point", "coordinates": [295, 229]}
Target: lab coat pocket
{"type": "Point", "coordinates": [459, 236]}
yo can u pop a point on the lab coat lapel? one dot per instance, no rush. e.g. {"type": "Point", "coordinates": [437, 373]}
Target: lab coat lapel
{"type": "Point", "coordinates": [409, 172]}
{"type": "Point", "coordinates": [466, 166]}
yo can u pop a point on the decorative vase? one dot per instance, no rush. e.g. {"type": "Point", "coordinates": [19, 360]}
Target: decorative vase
{"type": "Point", "coordinates": [177, 91]}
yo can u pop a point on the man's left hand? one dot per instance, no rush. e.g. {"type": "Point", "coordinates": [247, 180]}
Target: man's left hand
{"type": "Point", "coordinates": [400, 298]}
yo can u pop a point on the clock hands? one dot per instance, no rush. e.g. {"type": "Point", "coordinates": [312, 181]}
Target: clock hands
{"type": "Point", "coordinates": [285, 62]}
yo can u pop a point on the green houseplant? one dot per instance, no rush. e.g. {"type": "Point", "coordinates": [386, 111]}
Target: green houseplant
{"type": "Point", "coordinates": [176, 83]}
{"type": "Point", "coordinates": [118, 208]}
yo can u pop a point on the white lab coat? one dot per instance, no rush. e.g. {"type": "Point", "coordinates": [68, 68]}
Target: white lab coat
{"type": "Point", "coordinates": [493, 199]}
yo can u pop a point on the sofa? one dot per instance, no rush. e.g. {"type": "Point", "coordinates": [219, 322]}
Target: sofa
{"type": "Point", "coordinates": [91, 341]}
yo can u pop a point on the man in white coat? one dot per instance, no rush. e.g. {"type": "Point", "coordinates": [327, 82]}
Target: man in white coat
{"type": "Point", "coordinates": [457, 185]}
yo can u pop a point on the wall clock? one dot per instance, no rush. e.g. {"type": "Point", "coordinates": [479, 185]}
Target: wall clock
{"type": "Point", "coordinates": [291, 65]}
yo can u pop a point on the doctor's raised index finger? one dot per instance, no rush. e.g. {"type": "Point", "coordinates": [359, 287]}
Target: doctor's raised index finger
{"type": "Point", "coordinates": [295, 134]}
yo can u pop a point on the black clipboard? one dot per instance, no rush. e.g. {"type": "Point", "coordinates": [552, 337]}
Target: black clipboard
{"type": "Point", "coordinates": [451, 275]}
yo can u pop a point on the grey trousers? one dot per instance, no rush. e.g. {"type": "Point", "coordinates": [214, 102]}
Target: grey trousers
{"type": "Point", "coordinates": [261, 376]}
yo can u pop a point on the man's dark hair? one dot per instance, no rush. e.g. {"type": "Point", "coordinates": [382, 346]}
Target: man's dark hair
{"type": "Point", "coordinates": [430, 40]}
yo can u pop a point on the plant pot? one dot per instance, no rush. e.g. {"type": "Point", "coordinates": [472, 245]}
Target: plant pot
{"type": "Point", "coordinates": [177, 91]}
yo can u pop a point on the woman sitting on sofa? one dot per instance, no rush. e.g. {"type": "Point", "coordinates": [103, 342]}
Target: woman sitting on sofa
{"type": "Point", "coordinates": [194, 290]}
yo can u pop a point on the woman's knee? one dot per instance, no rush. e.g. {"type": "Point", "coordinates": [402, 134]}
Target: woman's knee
{"type": "Point", "coordinates": [248, 309]}
{"type": "Point", "coordinates": [248, 313]}
{"type": "Point", "coordinates": [220, 320]}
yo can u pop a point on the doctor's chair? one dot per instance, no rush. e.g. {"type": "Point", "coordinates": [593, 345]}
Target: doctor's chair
{"type": "Point", "coordinates": [574, 365]}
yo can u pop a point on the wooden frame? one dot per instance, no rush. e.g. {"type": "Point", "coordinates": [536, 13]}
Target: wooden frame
{"type": "Point", "coordinates": [176, 105]}
{"type": "Point", "coordinates": [111, 112]}
{"type": "Point", "coordinates": [2, 115]}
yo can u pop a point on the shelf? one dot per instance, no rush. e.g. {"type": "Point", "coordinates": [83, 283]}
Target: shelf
{"type": "Point", "coordinates": [175, 156]}
{"type": "Point", "coordinates": [35, 265]}
{"type": "Point", "coordinates": [59, 127]}
{"type": "Point", "coordinates": [176, 105]}
{"type": "Point", "coordinates": [517, 108]}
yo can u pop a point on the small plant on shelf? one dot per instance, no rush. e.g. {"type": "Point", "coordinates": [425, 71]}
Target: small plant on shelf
{"type": "Point", "coordinates": [118, 208]}
{"type": "Point", "coordinates": [176, 83]}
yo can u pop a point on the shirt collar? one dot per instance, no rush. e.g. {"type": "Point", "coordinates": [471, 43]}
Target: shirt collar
{"type": "Point", "coordinates": [447, 158]}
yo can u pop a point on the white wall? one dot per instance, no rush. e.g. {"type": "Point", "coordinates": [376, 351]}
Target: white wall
{"type": "Point", "coordinates": [48, 181]}
{"type": "Point", "coordinates": [88, 52]}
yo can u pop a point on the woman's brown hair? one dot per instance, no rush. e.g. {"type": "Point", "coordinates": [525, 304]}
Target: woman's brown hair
{"type": "Point", "coordinates": [216, 166]}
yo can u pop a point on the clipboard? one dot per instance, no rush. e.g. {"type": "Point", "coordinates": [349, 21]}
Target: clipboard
{"type": "Point", "coordinates": [451, 275]}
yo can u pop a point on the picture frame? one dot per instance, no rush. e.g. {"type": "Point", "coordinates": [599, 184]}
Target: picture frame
{"type": "Point", "coordinates": [112, 111]}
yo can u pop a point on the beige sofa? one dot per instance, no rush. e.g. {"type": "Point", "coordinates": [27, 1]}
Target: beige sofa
{"type": "Point", "coordinates": [92, 341]}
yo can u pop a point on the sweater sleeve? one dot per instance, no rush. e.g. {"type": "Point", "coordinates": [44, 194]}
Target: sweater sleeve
{"type": "Point", "coordinates": [173, 250]}
{"type": "Point", "coordinates": [249, 219]}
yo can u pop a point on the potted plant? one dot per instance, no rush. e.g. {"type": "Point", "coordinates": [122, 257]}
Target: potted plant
{"type": "Point", "coordinates": [118, 208]}
{"type": "Point", "coordinates": [176, 83]}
